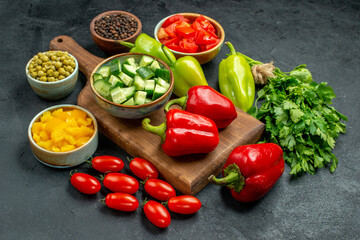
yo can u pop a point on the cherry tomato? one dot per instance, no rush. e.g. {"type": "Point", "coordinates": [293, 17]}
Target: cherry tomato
{"type": "Point", "coordinates": [106, 164]}
{"type": "Point", "coordinates": [184, 204]}
{"type": "Point", "coordinates": [159, 189]}
{"type": "Point", "coordinates": [122, 201]}
{"type": "Point", "coordinates": [85, 183]}
{"type": "Point", "coordinates": [157, 214]}
{"type": "Point", "coordinates": [119, 182]}
{"type": "Point", "coordinates": [143, 169]}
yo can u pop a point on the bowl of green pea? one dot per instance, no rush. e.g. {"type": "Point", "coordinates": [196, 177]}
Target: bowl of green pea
{"type": "Point", "coordinates": [52, 74]}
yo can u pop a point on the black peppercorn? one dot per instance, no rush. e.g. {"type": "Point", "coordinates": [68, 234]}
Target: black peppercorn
{"type": "Point", "coordinates": [116, 27]}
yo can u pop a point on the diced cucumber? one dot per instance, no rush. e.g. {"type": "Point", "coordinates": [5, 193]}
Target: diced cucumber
{"type": "Point", "coordinates": [149, 87]}
{"type": "Point", "coordinates": [158, 92]}
{"type": "Point", "coordinates": [129, 102]}
{"type": "Point", "coordinates": [103, 88]}
{"type": "Point", "coordinates": [139, 83]}
{"type": "Point", "coordinates": [115, 81]}
{"type": "Point", "coordinates": [118, 95]}
{"type": "Point", "coordinates": [115, 67]}
{"type": "Point", "coordinates": [145, 61]}
{"type": "Point", "coordinates": [128, 91]}
{"type": "Point", "coordinates": [129, 70]}
{"type": "Point", "coordinates": [125, 79]}
{"type": "Point", "coordinates": [139, 97]}
{"type": "Point", "coordinates": [147, 100]}
{"type": "Point", "coordinates": [97, 76]}
{"type": "Point", "coordinates": [145, 73]}
{"type": "Point", "coordinates": [130, 61]}
{"type": "Point", "coordinates": [163, 73]}
{"type": "Point", "coordinates": [104, 71]}
{"type": "Point", "coordinates": [163, 83]}
{"type": "Point", "coordinates": [154, 65]}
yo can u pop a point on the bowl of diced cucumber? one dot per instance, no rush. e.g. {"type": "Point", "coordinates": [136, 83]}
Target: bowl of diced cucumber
{"type": "Point", "coordinates": [132, 85]}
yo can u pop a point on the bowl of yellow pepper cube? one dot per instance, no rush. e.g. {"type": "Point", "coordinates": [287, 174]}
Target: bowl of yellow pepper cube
{"type": "Point", "coordinates": [63, 136]}
{"type": "Point", "coordinates": [52, 74]}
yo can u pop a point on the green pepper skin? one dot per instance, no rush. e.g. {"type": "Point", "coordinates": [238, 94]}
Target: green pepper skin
{"type": "Point", "coordinates": [187, 73]}
{"type": "Point", "coordinates": [236, 80]}
{"type": "Point", "coordinates": [148, 45]}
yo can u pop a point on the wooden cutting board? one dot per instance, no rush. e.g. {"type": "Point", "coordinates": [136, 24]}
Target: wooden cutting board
{"type": "Point", "coordinates": [188, 174]}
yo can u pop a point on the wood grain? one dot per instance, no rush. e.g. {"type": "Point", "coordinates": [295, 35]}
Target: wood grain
{"type": "Point", "coordinates": [188, 174]}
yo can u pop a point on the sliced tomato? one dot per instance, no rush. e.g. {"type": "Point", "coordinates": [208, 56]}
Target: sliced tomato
{"type": "Point", "coordinates": [162, 34]}
{"type": "Point", "coordinates": [210, 46]}
{"type": "Point", "coordinates": [202, 37]}
{"type": "Point", "coordinates": [171, 29]}
{"type": "Point", "coordinates": [174, 44]}
{"type": "Point", "coordinates": [185, 32]}
{"type": "Point", "coordinates": [173, 19]}
{"type": "Point", "coordinates": [205, 24]}
{"type": "Point", "coordinates": [188, 45]}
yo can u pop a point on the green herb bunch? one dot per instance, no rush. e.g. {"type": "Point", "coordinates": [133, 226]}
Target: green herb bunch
{"type": "Point", "coordinates": [297, 115]}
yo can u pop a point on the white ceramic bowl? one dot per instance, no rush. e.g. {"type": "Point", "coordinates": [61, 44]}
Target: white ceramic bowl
{"type": "Point", "coordinates": [64, 159]}
{"type": "Point", "coordinates": [53, 90]}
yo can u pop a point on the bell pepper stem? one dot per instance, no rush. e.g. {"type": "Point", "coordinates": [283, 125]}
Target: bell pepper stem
{"type": "Point", "coordinates": [233, 176]}
{"type": "Point", "coordinates": [127, 44]}
{"type": "Point", "coordinates": [179, 101]}
{"type": "Point", "coordinates": [158, 130]}
{"type": "Point", "coordinates": [167, 55]}
{"type": "Point", "coordinates": [231, 47]}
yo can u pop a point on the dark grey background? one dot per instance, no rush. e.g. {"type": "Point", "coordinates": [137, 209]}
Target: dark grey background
{"type": "Point", "coordinates": [37, 202]}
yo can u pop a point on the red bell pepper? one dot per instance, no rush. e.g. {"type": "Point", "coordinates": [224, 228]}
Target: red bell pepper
{"type": "Point", "coordinates": [251, 171]}
{"type": "Point", "coordinates": [204, 100]}
{"type": "Point", "coordinates": [185, 133]}
{"type": "Point", "coordinates": [173, 19]}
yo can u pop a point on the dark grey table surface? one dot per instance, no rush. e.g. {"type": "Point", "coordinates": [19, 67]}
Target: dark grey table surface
{"type": "Point", "coordinates": [37, 202]}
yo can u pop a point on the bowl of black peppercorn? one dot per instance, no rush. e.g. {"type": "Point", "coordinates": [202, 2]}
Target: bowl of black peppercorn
{"type": "Point", "coordinates": [109, 28]}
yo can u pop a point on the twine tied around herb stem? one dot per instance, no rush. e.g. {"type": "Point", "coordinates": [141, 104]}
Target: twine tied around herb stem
{"type": "Point", "coordinates": [262, 72]}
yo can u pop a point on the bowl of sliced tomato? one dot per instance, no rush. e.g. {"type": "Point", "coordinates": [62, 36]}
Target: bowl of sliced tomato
{"type": "Point", "coordinates": [191, 34]}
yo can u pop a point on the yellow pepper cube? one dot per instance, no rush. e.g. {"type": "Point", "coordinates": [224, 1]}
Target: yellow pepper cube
{"type": "Point", "coordinates": [36, 138]}
{"type": "Point", "coordinates": [55, 123]}
{"type": "Point", "coordinates": [64, 115]}
{"type": "Point", "coordinates": [81, 141]}
{"type": "Point", "coordinates": [89, 120]}
{"type": "Point", "coordinates": [46, 144]}
{"type": "Point", "coordinates": [78, 114]}
{"type": "Point", "coordinates": [44, 135]}
{"type": "Point", "coordinates": [46, 116]}
{"type": "Point", "coordinates": [58, 135]}
{"type": "Point", "coordinates": [85, 131]}
{"type": "Point", "coordinates": [67, 148]}
{"type": "Point", "coordinates": [55, 149]}
{"type": "Point", "coordinates": [71, 122]}
{"type": "Point", "coordinates": [82, 122]}
{"type": "Point", "coordinates": [70, 139]}
{"type": "Point", "coordinates": [57, 112]}
{"type": "Point", "coordinates": [36, 127]}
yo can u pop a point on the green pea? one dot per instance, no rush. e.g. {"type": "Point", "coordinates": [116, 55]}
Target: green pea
{"type": "Point", "coordinates": [61, 77]}
{"type": "Point", "coordinates": [38, 67]}
{"type": "Point", "coordinates": [40, 73]}
{"type": "Point", "coordinates": [39, 61]}
{"type": "Point", "coordinates": [51, 79]}
{"type": "Point", "coordinates": [43, 78]}
{"type": "Point", "coordinates": [33, 74]}
{"type": "Point", "coordinates": [56, 74]}
{"type": "Point", "coordinates": [50, 72]}
{"type": "Point", "coordinates": [69, 69]}
{"type": "Point", "coordinates": [66, 74]}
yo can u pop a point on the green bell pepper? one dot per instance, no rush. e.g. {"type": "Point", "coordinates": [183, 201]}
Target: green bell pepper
{"type": "Point", "coordinates": [148, 45]}
{"type": "Point", "coordinates": [187, 70]}
{"type": "Point", "coordinates": [187, 73]}
{"type": "Point", "coordinates": [236, 80]}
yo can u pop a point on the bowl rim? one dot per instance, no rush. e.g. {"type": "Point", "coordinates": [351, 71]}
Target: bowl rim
{"type": "Point", "coordinates": [172, 82]}
{"type": "Point", "coordinates": [222, 39]}
{"type": "Point", "coordinates": [56, 82]}
{"type": "Point", "coordinates": [103, 14]}
{"type": "Point", "coordinates": [37, 116]}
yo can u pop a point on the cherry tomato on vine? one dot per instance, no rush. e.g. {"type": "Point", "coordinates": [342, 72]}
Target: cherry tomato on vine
{"type": "Point", "coordinates": [119, 182]}
{"type": "Point", "coordinates": [143, 169]}
{"type": "Point", "coordinates": [107, 164]}
{"type": "Point", "coordinates": [159, 189]}
{"type": "Point", "coordinates": [157, 214]}
{"type": "Point", "coordinates": [184, 204]}
{"type": "Point", "coordinates": [122, 201]}
{"type": "Point", "coordinates": [85, 183]}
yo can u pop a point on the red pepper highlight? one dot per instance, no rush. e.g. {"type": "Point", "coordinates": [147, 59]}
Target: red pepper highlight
{"type": "Point", "coordinates": [185, 133]}
{"type": "Point", "coordinates": [205, 101]}
{"type": "Point", "coordinates": [251, 171]}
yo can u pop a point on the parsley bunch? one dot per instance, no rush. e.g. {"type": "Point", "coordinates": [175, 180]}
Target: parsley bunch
{"type": "Point", "coordinates": [298, 117]}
